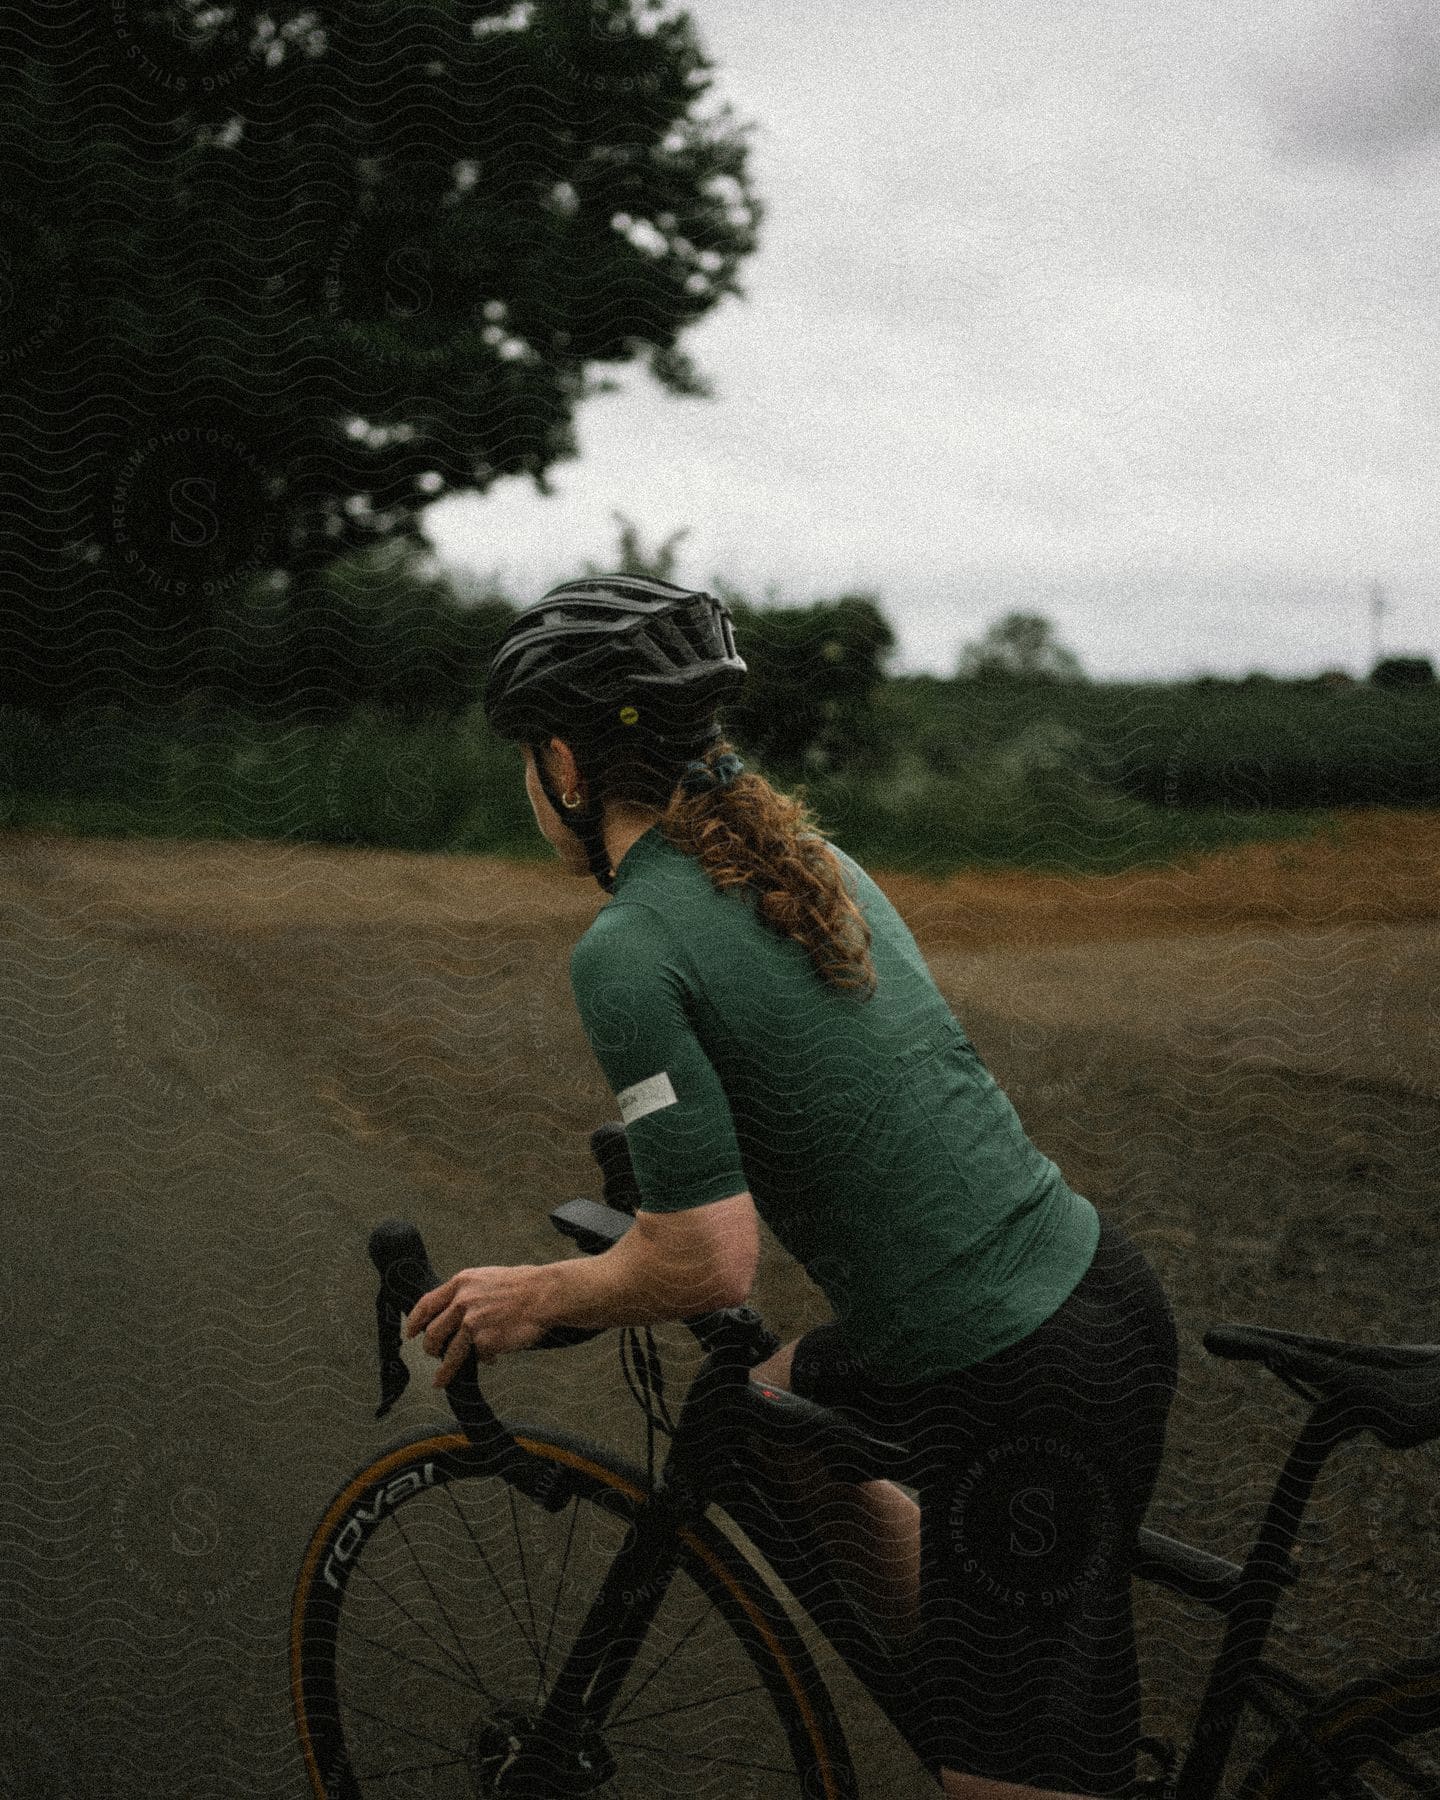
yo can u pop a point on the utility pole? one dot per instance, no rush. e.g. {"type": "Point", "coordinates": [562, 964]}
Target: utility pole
{"type": "Point", "coordinates": [1378, 604]}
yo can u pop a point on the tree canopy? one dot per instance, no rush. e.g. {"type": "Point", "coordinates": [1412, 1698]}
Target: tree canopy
{"type": "Point", "coordinates": [813, 672]}
{"type": "Point", "coordinates": [281, 275]}
{"type": "Point", "coordinates": [1403, 671]}
{"type": "Point", "coordinates": [1019, 647]}
{"type": "Point", "coordinates": [632, 558]}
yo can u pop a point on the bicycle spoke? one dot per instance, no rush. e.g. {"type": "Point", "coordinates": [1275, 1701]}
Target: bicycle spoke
{"type": "Point", "coordinates": [524, 1572]}
{"type": "Point", "coordinates": [400, 1606]}
{"type": "Point", "coordinates": [628, 1718]}
{"type": "Point", "coordinates": [404, 1705]}
{"type": "Point", "coordinates": [415, 1662]}
{"type": "Point", "coordinates": [666, 1655]}
{"type": "Point", "coordinates": [408, 1730]}
{"type": "Point", "coordinates": [479, 1548]}
{"type": "Point", "coordinates": [555, 1605]}
{"type": "Point", "coordinates": [459, 1642]}
{"type": "Point", "coordinates": [454, 1762]}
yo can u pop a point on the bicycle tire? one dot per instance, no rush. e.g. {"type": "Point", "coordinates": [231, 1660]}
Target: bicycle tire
{"type": "Point", "coordinates": [1383, 1731]}
{"type": "Point", "coordinates": [719, 1619]}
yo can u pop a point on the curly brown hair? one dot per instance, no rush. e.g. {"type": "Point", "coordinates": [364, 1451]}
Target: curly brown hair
{"type": "Point", "coordinates": [748, 835]}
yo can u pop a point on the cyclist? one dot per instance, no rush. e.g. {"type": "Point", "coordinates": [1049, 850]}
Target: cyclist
{"type": "Point", "coordinates": [778, 1048]}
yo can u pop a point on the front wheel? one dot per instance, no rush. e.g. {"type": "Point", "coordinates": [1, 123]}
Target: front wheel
{"type": "Point", "coordinates": [1381, 1733]}
{"type": "Point", "coordinates": [436, 1603]}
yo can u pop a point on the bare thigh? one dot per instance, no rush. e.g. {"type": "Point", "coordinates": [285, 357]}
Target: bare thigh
{"type": "Point", "coordinates": [775, 1370]}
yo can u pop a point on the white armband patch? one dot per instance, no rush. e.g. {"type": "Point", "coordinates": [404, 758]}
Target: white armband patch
{"type": "Point", "coordinates": [645, 1097]}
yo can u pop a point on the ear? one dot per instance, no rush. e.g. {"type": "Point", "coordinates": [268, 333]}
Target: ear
{"type": "Point", "coordinates": [565, 766]}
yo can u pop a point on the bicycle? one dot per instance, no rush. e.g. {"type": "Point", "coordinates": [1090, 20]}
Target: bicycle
{"type": "Point", "coordinates": [677, 1615]}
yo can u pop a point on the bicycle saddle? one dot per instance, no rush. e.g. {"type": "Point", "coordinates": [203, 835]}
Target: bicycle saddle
{"type": "Point", "coordinates": [1390, 1390]}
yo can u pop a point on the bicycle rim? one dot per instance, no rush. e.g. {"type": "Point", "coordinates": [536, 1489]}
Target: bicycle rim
{"type": "Point", "coordinates": [1384, 1733]}
{"type": "Point", "coordinates": [436, 1601]}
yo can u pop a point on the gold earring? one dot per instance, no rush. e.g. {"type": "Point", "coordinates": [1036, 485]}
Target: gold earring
{"type": "Point", "coordinates": [566, 800]}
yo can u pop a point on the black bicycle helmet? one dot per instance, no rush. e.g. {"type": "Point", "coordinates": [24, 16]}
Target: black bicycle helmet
{"type": "Point", "coordinates": [599, 658]}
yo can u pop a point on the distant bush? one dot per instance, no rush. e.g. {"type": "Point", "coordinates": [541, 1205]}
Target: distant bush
{"type": "Point", "coordinates": [1403, 671]}
{"type": "Point", "coordinates": [418, 785]}
{"type": "Point", "coordinates": [1033, 802]}
{"type": "Point", "coordinates": [445, 785]}
{"type": "Point", "coordinates": [813, 675]}
{"type": "Point", "coordinates": [1241, 746]}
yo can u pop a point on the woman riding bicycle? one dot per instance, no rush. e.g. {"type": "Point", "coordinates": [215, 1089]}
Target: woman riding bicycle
{"type": "Point", "coordinates": [778, 1048]}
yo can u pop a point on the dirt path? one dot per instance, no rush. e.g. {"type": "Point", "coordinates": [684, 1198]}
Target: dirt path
{"type": "Point", "coordinates": [222, 1063]}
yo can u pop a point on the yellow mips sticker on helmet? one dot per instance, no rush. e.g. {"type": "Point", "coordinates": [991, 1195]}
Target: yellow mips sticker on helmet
{"type": "Point", "coordinates": [629, 715]}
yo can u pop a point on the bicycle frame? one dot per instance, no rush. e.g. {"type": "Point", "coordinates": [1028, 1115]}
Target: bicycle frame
{"type": "Point", "coordinates": [700, 1471]}
{"type": "Point", "coordinates": [625, 1605]}
{"type": "Point", "coordinates": [1246, 1596]}
{"type": "Point", "coordinates": [1238, 1676]}
{"type": "Point", "coordinates": [780, 1530]}
{"type": "Point", "coordinates": [707, 1465]}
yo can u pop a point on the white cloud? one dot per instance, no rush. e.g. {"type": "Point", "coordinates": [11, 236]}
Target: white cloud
{"type": "Point", "coordinates": [1048, 307]}
{"type": "Point", "coordinates": [1363, 83]}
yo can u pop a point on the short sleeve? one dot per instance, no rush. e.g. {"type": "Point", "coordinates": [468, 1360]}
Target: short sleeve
{"type": "Point", "coordinates": [630, 995]}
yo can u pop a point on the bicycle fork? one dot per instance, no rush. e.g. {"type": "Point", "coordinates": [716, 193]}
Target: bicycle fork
{"type": "Point", "coordinates": [561, 1750]}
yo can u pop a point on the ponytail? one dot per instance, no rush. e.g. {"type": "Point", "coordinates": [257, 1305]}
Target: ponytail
{"type": "Point", "coordinates": [747, 835]}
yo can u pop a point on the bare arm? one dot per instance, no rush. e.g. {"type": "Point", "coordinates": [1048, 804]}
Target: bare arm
{"type": "Point", "coordinates": [667, 1266]}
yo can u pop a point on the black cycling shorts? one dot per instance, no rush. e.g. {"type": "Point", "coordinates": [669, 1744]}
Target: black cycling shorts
{"type": "Point", "coordinates": [1033, 1470]}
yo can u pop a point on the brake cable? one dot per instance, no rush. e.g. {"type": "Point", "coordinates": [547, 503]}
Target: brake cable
{"type": "Point", "coordinates": [643, 1373]}
{"type": "Point", "coordinates": [645, 1377]}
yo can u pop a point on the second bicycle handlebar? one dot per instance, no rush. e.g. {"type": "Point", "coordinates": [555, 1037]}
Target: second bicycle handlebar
{"type": "Point", "coordinates": [406, 1272]}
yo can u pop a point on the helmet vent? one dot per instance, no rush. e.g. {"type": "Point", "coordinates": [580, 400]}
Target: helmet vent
{"type": "Point", "coordinates": [572, 658]}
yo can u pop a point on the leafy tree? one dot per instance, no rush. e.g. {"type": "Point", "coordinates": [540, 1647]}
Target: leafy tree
{"type": "Point", "coordinates": [389, 635]}
{"type": "Point", "coordinates": [633, 559]}
{"type": "Point", "coordinates": [1019, 647]}
{"type": "Point", "coordinates": [279, 275]}
{"type": "Point", "coordinates": [813, 672]}
{"type": "Point", "coordinates": [1402, 671]}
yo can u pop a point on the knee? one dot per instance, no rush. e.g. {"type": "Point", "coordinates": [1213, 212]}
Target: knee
{"type": "Point", "coordinates": [775, 1370]}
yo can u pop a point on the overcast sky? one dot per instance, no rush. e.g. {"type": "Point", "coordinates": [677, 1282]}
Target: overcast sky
{"type": "Point", "coordinates": [1120, 311]}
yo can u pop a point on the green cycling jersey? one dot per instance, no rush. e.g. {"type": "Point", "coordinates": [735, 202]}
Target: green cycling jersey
{"type": "Point", "coordinates": [873, 1140]}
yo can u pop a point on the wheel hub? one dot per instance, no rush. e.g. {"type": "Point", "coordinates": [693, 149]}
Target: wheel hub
{"type": "Point", "coordinates": [507, 1757]}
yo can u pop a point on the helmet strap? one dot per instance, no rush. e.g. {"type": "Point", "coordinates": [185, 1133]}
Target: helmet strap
{"type": "Point", "coordinates": [586, 822]}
